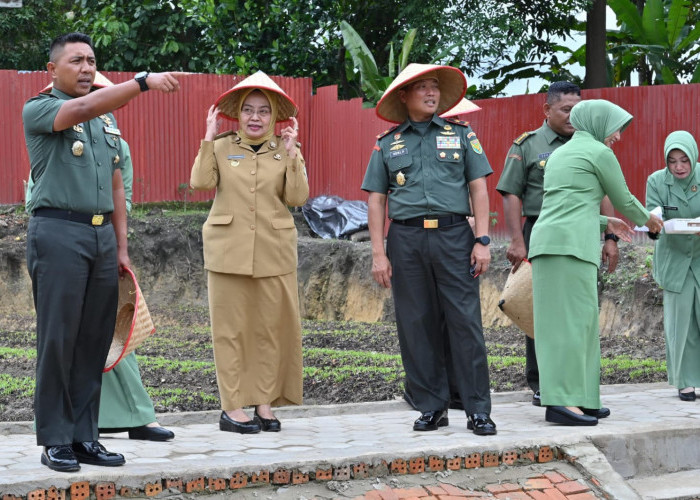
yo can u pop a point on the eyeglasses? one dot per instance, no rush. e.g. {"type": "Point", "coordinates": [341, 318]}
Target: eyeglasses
{"type": "Point", "coordinates": [261, 112]}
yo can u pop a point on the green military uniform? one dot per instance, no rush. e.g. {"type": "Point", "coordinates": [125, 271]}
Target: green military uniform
{"type": "Point", "coordinates": [677, 264]}
{"type": "Point", "coordinates": [523, 176]}
{"type": "Point", "coordinates": [425, 169]}
{"type": "Point", "coordinates": [124, 401]}
{"type": "Point", "coordinates": [72, 261]}
{"type": "Point", "coordinates": [565, 254]}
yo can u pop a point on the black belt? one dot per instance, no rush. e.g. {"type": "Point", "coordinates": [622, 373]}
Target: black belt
{"type": "Point", "coordinates": [432, 222]}
{"type": "Point", "coordinates": [532, 218]}
{"type": "Point", "coordinates": [57, 213]}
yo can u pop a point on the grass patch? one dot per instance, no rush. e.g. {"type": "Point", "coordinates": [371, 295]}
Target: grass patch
{"type": "Point", "coordinates": [15, 352]}
{"type": "Point", "coordinates": [19, 387]}
{"type": "Point", "coordinates": [339, 374]}
{"type": "Point", "coordinates": [176, 397]}
{"type": "Point", "coordinates": [351, 357]}
{"type": "Point", "coordinates": [176, 366]}
{"type": "Point", "coordinates": [635, 368]}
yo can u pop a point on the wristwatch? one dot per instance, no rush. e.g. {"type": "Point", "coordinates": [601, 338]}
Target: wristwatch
{"type": "Point", "coordinates": [141, 79]}
{"type": "Point", "coordinates": [483, 240]}
{"type": "Point", "coordinates": [612, 236]}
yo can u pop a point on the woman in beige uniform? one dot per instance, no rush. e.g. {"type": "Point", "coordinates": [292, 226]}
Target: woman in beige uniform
{"type": "Point", "coordinates": [250, 252]}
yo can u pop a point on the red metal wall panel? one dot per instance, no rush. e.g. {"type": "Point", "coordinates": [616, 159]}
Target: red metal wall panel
{"type": "Point", "coordinates": [337, 137]}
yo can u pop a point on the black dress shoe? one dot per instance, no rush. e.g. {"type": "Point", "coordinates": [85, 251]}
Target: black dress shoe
{"type": "Point", "coordinates": [686, 396]}
{"type": "Point", "coordinates": [481, 424]}
{"type": "Point", "coordinates": [536, 399]}
{"type": "Point", "coordinates": [147, 433]}
{"type": "Point", "coordinates": [597, 413]}
{"type": "Point", "coordinates": [562, 415]}
{"type": "Point", "coordinates": [267, 424]}
{"type": "Point", "coordinates": [431, 420]}
{"type": "Point", "coordinates": [60, 458]}
{"type": "Point", "coordinates": [93, 453]}
{"type": "Point", "coordinates": [228, 424]}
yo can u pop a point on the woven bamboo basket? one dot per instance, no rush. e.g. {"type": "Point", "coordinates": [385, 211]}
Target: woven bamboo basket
{"type": "Point", "coordinates": [134, 323]}
{"type": "Point", "coordinates": [516, 299]}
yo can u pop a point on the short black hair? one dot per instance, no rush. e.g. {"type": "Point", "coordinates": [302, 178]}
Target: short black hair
{"type": "Point", "coordinates": [557, 89]}
{"type": "Point", "coordinates": [60, 41]}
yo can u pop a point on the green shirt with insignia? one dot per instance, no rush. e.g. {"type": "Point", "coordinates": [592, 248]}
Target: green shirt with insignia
{"type": "Point", "coordinates": [71, 169]}
{"type": "Point", "coordinates": [425, 168]}
{"type": "Point", "coordinates": [523, 172]}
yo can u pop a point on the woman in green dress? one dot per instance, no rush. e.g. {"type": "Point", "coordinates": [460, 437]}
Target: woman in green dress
{"type": "Point", "coordinates": [565, 255]}
{"type": "Point", "coordinates": [677, 260]}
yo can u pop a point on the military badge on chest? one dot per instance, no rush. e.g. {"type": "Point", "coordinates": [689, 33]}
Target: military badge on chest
{"type": "Point", "coordinates": [400, 178]}
{"type": "Point", "coordinates": [234, 159]}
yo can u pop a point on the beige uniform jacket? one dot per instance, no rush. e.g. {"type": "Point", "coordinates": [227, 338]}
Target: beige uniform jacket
{"type": "Point", "coordinates": [250, 230]}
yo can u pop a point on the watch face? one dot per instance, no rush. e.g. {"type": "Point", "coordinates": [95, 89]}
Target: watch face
{"type": "Point", "coordinates": [484, 240]}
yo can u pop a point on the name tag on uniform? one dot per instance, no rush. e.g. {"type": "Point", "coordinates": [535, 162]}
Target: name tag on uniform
{"type": "Point", "coordinates": [543, 156]}
{"type": "Point", "coordinates": [112, 130]}
{"type": "Point", "coordinates": [236, 157]}
{"type": "Point", "coordinates": [400, 152]}
{"type": "Point", "coordinates": [448, 142]}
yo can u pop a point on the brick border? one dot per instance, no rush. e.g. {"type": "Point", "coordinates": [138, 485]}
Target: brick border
{"type": "Point", "coordinates": [362, 470]}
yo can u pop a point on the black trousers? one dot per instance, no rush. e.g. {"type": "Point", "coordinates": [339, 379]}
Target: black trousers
{"type": "Point", "coordinates": [436, 302]}
{"type": "Point", "coordinates": [532, 373]}
{"type": "Point", "coordinates": [73, 267]}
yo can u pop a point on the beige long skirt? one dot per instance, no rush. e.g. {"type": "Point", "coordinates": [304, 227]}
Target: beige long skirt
{"type": "Point", "coordinates": [256, 331]}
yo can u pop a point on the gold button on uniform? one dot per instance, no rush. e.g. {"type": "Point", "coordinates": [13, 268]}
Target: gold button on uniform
{"type": "Point", "coordinates": [255, 156]}
{"type": "Point", "coordinates": [252, 172]}
{"type": "Point", "coordinates": [252, 226]}
{"type": "Point", "coordinates": [252, 190]}
{"type": "Point", "coordinates": [251, 208]}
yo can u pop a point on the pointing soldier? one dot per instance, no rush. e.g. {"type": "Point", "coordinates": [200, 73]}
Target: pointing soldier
{"type": "Point", "coordinates": [428, 168]}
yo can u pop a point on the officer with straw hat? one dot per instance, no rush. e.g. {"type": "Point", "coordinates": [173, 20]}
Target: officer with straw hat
{"type": "Point", "coordinates": [428, 168]}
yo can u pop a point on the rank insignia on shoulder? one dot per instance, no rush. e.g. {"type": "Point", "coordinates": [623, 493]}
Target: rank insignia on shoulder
{"type": "Point", "coordinates": [457, 122]}
{"type": "Point", "coordinates": [386, 132]}
{"type": "Point", "coordinates": [447, 127]}
{"type": "Point", "coordinates": [522, 137]}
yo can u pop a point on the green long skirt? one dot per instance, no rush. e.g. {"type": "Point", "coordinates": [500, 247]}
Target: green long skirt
{"type": "Point", "coordinates": [124, 401]}
{"type": "Point", "coordinates": [681, 326]}
{"type": "Point", "coordinates": [567, 341]}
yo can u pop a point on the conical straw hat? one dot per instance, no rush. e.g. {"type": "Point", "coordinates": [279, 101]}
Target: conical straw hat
{"type": "Point", "coordinates": [453, 85]}
{"type": "Point", "coordinates": [228, 102]}
{"type": "Point", "coordinates": [516, 299]}
{"type": "Point", "coordinates": [134, 324]}
{"type": "Point", "coordinates": [465, 106]}
{"type": "Point", "coordinates": [100, 82]}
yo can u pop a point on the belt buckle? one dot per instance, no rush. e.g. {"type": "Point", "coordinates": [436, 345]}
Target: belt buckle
{"type": "Point", "coordinates": [430, 223]}
{"type": "Point", "coordinates": [98, 219]}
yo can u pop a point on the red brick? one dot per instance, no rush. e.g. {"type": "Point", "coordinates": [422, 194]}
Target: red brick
{"type": "Point", "coordinates": [435, 490]}
{"type": "Point", "coordinates": [509, 457]}
{"type": "Point", "coordinates": [554, 494]}
{"type": "Point", "coordinates": [454, 490]}
{"type": "Point", "coordinates": [360, 471]}
{"type": "Point", "coordinates": [153, 489]}
{"type": "Point", "coordinates": [436, 464]}
{"type": "Point", "coordinates": [545, 454]}
{"type": "Point", "coordinates": [173, 484]}
{"type": "Point", "coordinates": [416, 465]}
{"type": "Point", "coordinates": [537, 483]}
{"type": "Point", "coordinates": [399, 466]}
{"type": "Point", "coordinates": [238, 480]}
{"type": "Point", "coordinates": [324, 474]}
{"type": "Point", "coordinates": [538, 495]}
{"type": "Point", "coordinates": [527, 456]}
{"type": "Point", "coordinates": [454, 463]}
{"type": "Point", "coordinates": [555, 477]}
{"type": "Point", "coordinates": [281, 476]}
{"type": "Point", "coordinates": [514, 495]}
{"type": "Point", "coordinates": [80, 490]}
{"type": "Point", "coordinates": [405, 493]}
{"type": "Point", "coordinates": [472, 461]}
{"type": "Point", "coordinates": [582, 496]}
{"type": "Point", "coordinates": [300, 477]}
{"type": "Point", "coordinates": [490, 459]}
{"type": "Point", "coordinates": [36, 495]}
{"type": "Point", "coordinates": [452, 497]}
{"type": "Point", "coordinates": [196, 484]}
{"type": "Point", "coordinates": [510, 487]}
{"type": "Point", "coordinates": [388, 494]}
{"type": "Point", "coordinates": [125, 491]}
{"type": "Point", "coordinates": [342, 473]}
{"type": "Point", "coordinates": [571, 487]}
{"type": "Point", "coordinates": [105, 491]}
{"type": "Point", "coordinates": [7, 496]}
{"type": "Point", "coordinates": [261, 477]}
{"type": "Point", "coordinates": [54, 493]}
{"type": "Point", "coordinates": [216, 484]}
{"type": "Point", "coordinates": [373, 495]}
{"type": "Point", "coordinates": [494, 488]}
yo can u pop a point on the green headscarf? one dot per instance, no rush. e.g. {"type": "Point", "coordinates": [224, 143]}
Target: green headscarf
{"type": "Point", "coordinates": [599, 117]}
{"type": "Point", "coordinates": [680, 139]}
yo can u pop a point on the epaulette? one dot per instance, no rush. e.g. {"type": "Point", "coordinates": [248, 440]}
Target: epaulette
{"type": "Point", "coordinates": [224, 134]}
{"type": "Point", "coordinates": [379, 136]}
{"type": "Point", "coordinates": [522, 137]}
{"type": "Point", "coordinates": [457, 122]}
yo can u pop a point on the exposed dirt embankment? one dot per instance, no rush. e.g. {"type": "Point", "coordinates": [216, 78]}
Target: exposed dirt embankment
{"type": "Point", "coordinates": [334, 276]}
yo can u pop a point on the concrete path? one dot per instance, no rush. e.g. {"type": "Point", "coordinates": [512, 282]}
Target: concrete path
{"type": "Point", "coordinates": [648, 440]}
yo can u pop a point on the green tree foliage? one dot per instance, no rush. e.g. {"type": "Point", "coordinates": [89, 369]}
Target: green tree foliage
{"type": "Point", "coordinates": [26, 32]}
{"type": "Point", "coordinates": [660, 43]}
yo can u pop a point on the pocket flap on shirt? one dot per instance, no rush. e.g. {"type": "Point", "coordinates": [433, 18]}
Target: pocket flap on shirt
{"type": "Point", "coordinates": [400, 162]}
{"type": "Point", "coordinates": [219, 220]}
{"type": "Point", "coordinates": [283, 223]}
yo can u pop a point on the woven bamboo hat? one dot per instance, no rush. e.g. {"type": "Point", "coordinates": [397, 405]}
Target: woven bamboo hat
{"type": "Point", "coordinates": [516, 299]}
{"type": "Point", "coordinates": [464, 107]}
{"type": "Point", "coordinates": [134, 324]}
{"type": "Point", "coordinates": [453, 85]}
{"type": "Point", "coordinates": [100, 82]}
{"type": "Point", "coordinates": [229, 101]}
